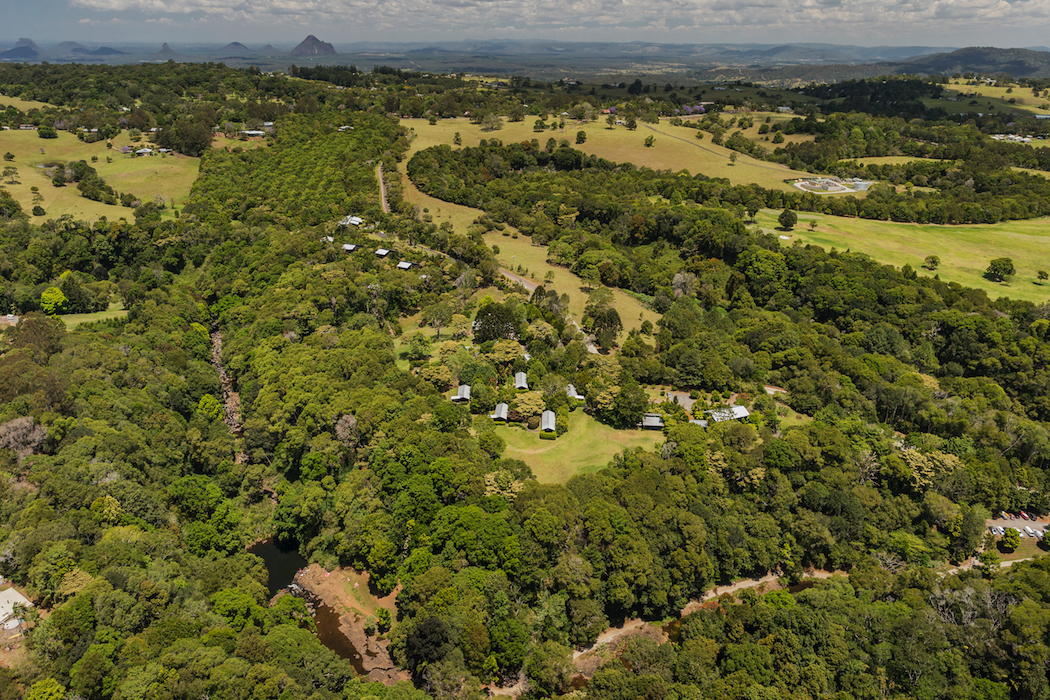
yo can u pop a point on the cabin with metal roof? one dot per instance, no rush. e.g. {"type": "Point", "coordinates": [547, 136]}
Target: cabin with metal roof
{"type": "Point", "coordinates": [652, 421]}
{"type": "Point", "coordinates": [521, 381]}
{"type": "Point", "coordinates": [462, 393]}
{"type": "Point", "coordinates": [721, 415]}
{"type": "Point", "coordinates": [548, 422]}
{"type": "Point", "coordinates": [501, 412]}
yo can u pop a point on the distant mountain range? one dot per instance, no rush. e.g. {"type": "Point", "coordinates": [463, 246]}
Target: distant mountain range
{"type": "Point", "coordinates": [551, 59]}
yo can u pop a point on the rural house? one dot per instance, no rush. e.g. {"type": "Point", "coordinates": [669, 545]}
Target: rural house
{"type": "Point", "coordinates": [501, 412]}
{"type": "Point", "coordinates": [521, 381]}
{"type": "Point", "coordinates": [548, 422]}
{"type": "Point", "coordinates": [462, 393]}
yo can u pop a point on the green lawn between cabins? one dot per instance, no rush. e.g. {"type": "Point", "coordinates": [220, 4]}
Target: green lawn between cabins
{"type": "Point", "coordinates": [586, 447]}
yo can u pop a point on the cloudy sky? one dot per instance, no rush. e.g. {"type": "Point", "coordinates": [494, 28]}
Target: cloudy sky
{"type": "Point", "coordinates": [1002, 23]}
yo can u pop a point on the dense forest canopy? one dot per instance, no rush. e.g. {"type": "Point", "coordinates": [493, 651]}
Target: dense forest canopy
{"type": "Point", "coordinates": [128, 493]}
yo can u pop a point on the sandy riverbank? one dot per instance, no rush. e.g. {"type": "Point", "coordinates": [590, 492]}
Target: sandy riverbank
{"type": "Point", "coordinates": [346, 592]}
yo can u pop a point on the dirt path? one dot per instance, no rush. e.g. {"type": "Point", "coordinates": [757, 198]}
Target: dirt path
{"type": "Point", "coordinates": [382, 189]}
{"type": "Point", "coordinates": [231, 400]}
{"type": "Point", "coordinates": [612, 634]}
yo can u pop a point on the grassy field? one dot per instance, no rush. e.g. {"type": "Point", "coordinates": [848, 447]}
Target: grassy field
{"type": "Point", "coordinates": [964, 250]}
{"type": "Point", "coordinates": [168, 176]}
{"type": "Point", "coordinates": [20, 104]}
{"type": "Point", "coordinates": [889, 160]}
{"type": "Point", "coordinates": [115, 310]}
{"type": "Point", "coordinates": [989, 97]}
{"type": "Point", "coordinates": [513, 251]}
{"type": "Point", "coordinates": [587, 447]}
{"type": "Point", "coordinates": [675, 148]}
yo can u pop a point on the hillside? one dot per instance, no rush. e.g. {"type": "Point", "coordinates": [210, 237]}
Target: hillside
{"type": "Point", "coordinates": [1020, 63]}
{"type": "Point", "coordinates": [312, 46]}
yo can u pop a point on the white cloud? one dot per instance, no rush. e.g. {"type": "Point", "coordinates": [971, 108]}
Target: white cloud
{"type": "Point", "coordinates": [897, 21]}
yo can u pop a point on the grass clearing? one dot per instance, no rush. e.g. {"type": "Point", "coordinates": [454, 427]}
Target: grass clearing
{"type": "Point", "coordinates": [587, 447]}
{"type": "Point", "coordinates": [20, 104]}
{"type": "Point", "coordinates": [167, 176]}
{"type": "Point", "coordinates": [675, 148]}
{"type": "Point", "coordinates": [890, 160]}
{"type": "Point", "coordinates": [965, 251]}
{"type": "Point", "coordinates": [116, 310]}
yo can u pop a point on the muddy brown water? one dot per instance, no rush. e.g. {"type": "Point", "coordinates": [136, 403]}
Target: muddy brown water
{"type": "Point", "coordinates": [282, 564]}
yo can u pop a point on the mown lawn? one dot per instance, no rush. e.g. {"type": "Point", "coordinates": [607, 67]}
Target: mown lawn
{"type": "Point", "coordinates": [167, 176]}
{"type": "Point", "coordinates": [587, 447]}
{"type": "Point", "coordinates": [115, 310]}
{"type": "Point", "coordinates": [965, 251]}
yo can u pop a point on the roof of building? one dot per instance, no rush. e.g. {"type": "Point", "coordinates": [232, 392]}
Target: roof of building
{"type": "Point", "coordinates": [328, 239]}
{"type": "Point", "coordinates": [500, 412]}
{"type": "Point", "coordinates": [652, 420]}
{"type": "Point", "coordinates": [548, 422]}
{"type": "Point", "coordinates": [521, 380]}
{"type": "Point", "coordinates": [351, 220]}
{"type": "Point", "coordinates": [382, 252]}
{"type": "Point", "coordinates": [8, 600]}
{"type": "Point", "coordinates": [701, 423]}
{"type": "Point", "coordinates": [720, 415]}
{"type": "Point", "coordinates": [349, 247]}
{"type": "Point", "coordinates": [405, 265]}
{"type": "Point", "coordinates": [573, 394]}
{"type": "Point", "coordinates": [462, 393]}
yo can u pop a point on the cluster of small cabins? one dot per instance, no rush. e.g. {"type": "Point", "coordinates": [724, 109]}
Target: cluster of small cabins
{"type": "Point", "coordinates": [548, 419]}
{"type": "Point", "coordinates": [352, 220]}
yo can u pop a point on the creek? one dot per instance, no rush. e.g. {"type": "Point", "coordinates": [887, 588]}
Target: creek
{"type": "Point", "coordinates": [282, 564]}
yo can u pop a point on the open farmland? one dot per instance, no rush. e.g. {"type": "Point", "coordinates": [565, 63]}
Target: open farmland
{"type": "Point", "coordinates": [964, 250]}
{"type": "Point", "coordinates": [168, 176]}
{"type": "Point", "coordinates": [675, 148]}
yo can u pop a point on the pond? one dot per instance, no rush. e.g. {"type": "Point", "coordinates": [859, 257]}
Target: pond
{"type": "Point", "coordinates": [282, 564]}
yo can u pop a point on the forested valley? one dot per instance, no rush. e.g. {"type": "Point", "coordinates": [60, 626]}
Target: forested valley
{"type": "Point", "coordinates": [127, 501]}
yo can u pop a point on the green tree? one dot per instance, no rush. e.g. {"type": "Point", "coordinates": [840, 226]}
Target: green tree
{"type": "Point", "coordinates": [778, 137]}
{"type": "Point", "coordinates": [1000, 268]}
{"type": "Point", "coordinates": [787, 219]}
{"type": "Point", "coordinates": [47, 689]}
{"type": "Point", "coordinates": [631, 123]}
{"type": "Point", "coordinates": [1043, 275]}
{"type": "Point", "coordinates": [53, 301]}
{"type": "Point", "coordinates": [9, 156]}
{"type": "Point", "coordinates": [754, 206]}
{"type": "Point", "coordinates": [931, 262]}
{"type": "Point", "coordinates": [581, 137]}
{"type": "Point", "coordinates": [457, 139]}
{"type": "Point", "coordinates": [732, 158]}
{"type": "Point", "coordinates": [11, 175]}
{"type": "Point", "coordinates": [491, 122]}
{"type": "Point", "coordinates": [649, 141]}
{"type": "Point", "coordinates": [550, 669]}
{"type": "Point", "coordinates": [1011, 540]}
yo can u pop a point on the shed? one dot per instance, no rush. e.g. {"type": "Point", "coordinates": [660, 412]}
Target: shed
{"type": "Point", "coordinates": [144, 152]}
{"type": "Point", "coordinates": [548, 422]}
{"type": "Point", "coordinates": [382, 252]}
{"type": "Point", "coordinates": [405, 265]}
{"type": "Point", "coordinates": [652, 421]}
{"type": "Point", "coordinates": [462, 393]}
{"type": "Point", "coordinates": [349, 247]}
{"type": "Point", "coordinates": [521, 381]}
{"type": "Point", "coordinates": [701, 423]}
{"type": "Point", "coordinates": [8, 600]}
{"type": "Point", "coordinates": [501, 412]}
{"type": "Point", "coordinates": [721, 415]}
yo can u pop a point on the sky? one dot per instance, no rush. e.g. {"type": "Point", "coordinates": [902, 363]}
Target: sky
{"type": "Point", "coordinates": [957, 23]}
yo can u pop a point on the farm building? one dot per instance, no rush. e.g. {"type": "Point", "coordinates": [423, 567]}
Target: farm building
{"type": "Point", "coordinates": [548, 422]}
{"type": "Point", "coordinates": [521, 381]}
{"type": "Point", "coordinates": [652, 421]}
{"type": "Point", "coordinates": [501, 412]}
{"type": "Point", "coordinates": [462, 393]}
{"type": "Point", "coordinates": [721, 415]}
